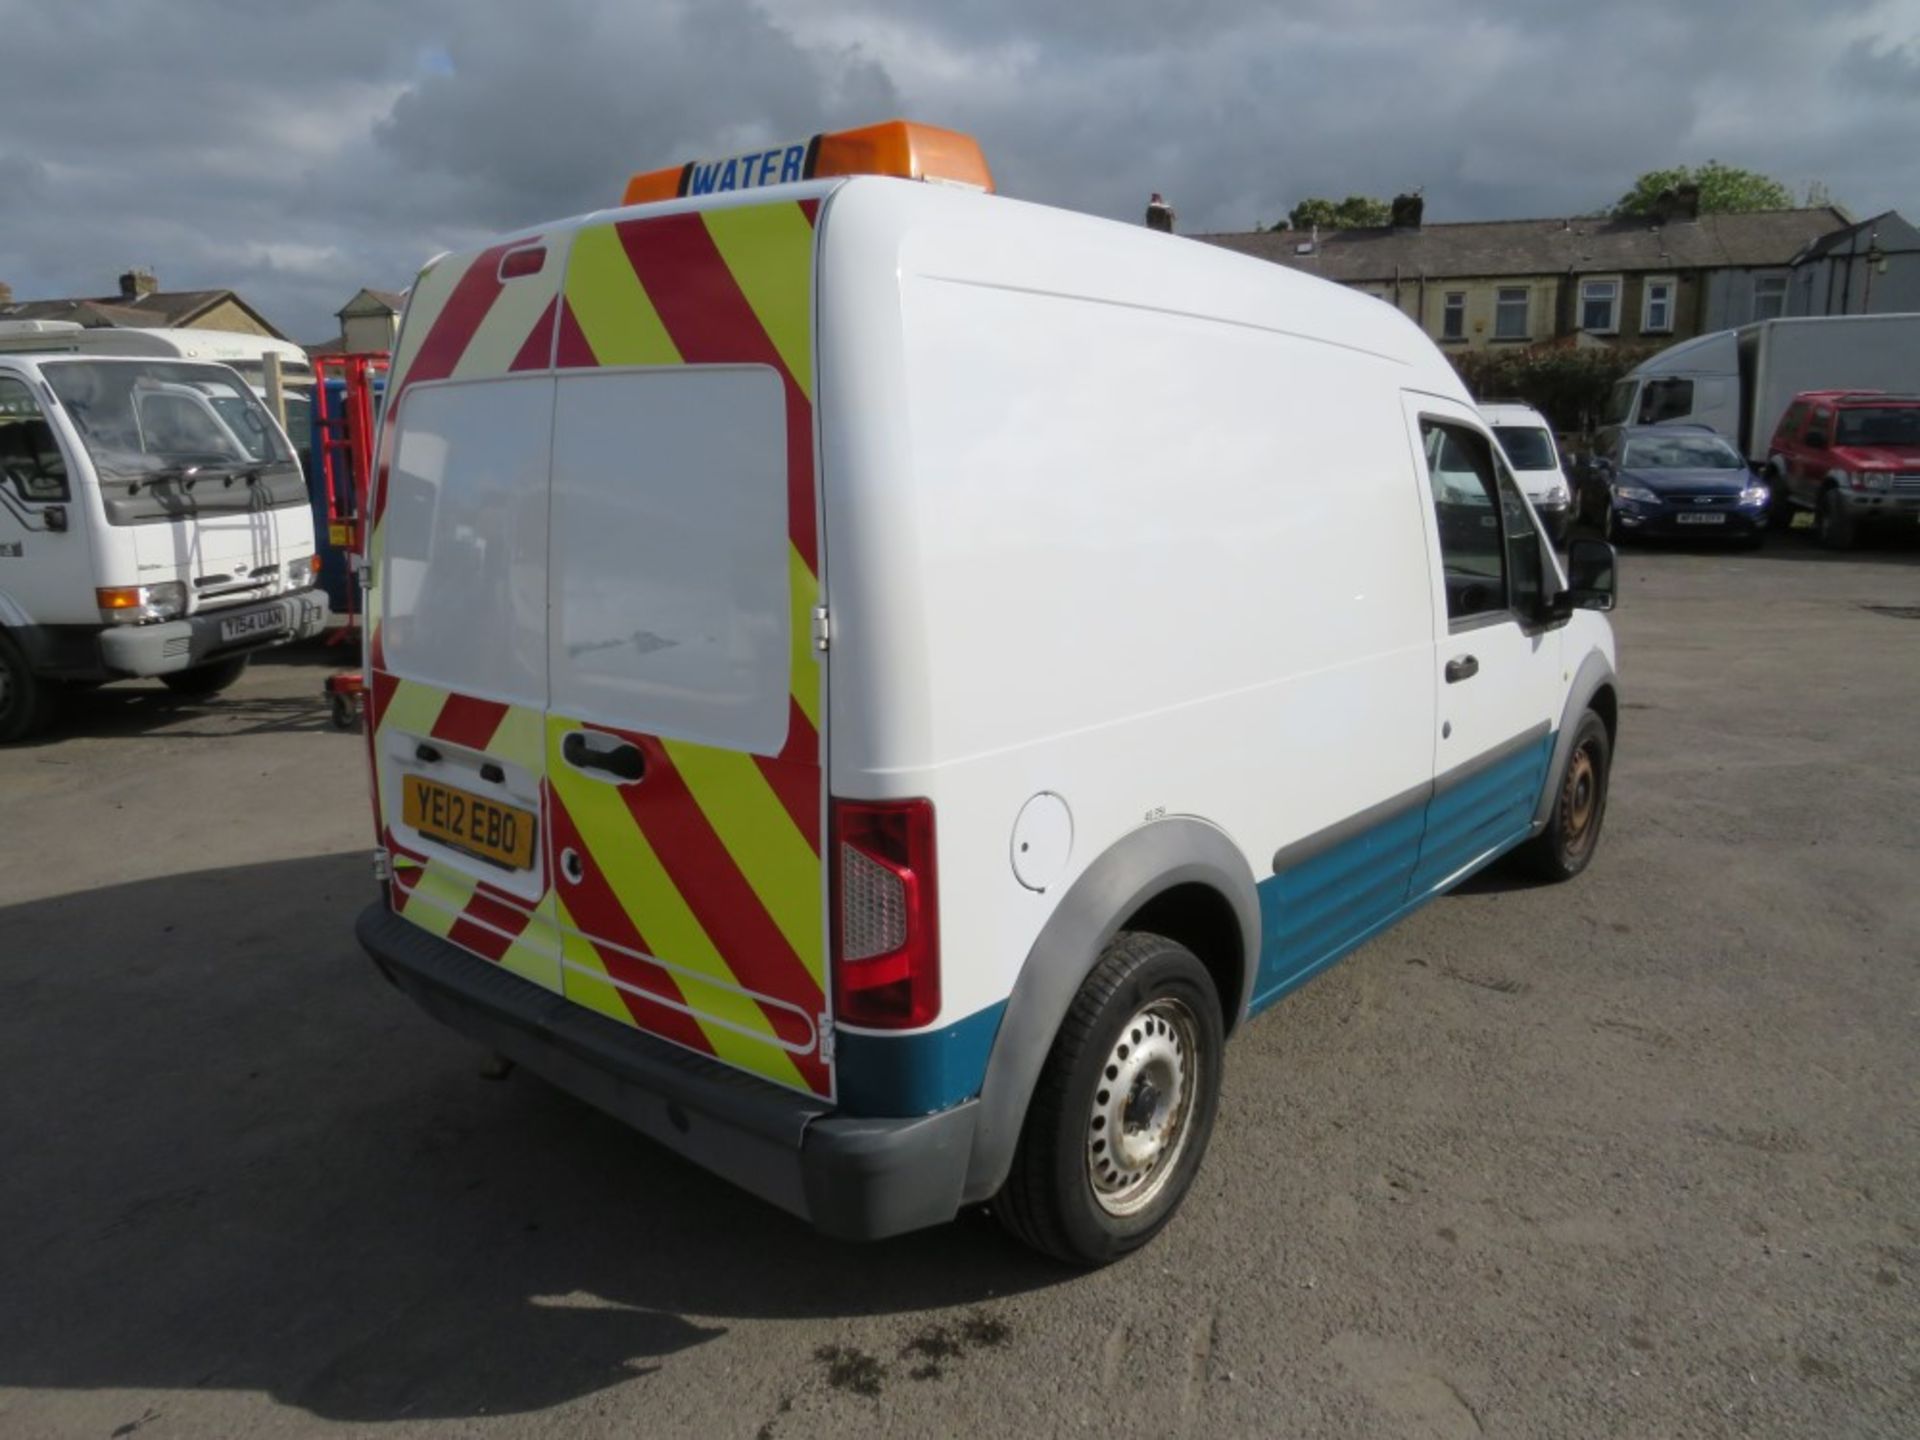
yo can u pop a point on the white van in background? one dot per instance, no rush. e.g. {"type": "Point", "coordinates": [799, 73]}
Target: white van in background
{"type": "Point", "coordinates": [1527, 441]}
{"type": "Point", "coordinates": [153, 522]}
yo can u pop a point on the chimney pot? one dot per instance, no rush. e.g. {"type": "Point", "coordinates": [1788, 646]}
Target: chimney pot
{"type": "Point", "coordinates": [137, 282]}
{"type": "Point", "coordinates": [6, 293]}
{"type": "Point", "coordinates": [1159, 214]}
{"type": "Point", "coordinates": [1407, 210]}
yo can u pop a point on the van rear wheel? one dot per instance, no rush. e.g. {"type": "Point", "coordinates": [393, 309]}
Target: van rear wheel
{"type": "Point", "coordinates": [203, 680]}
{"type": "Point", "coordinates": [1124, 1107]}
{"type": "Point", "coordinates": [26, 700]}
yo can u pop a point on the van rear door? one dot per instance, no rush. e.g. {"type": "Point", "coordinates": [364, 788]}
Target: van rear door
{"type": "Point", "coordinates": [456, 620]}
{"type": "Point", "coordinates": [683, 738]}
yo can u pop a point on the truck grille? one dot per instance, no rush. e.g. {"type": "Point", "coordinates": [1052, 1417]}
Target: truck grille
{"type": "Point", "coordinates": [1906, 484]}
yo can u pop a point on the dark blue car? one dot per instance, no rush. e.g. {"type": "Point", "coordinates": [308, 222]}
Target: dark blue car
{"type": "Point", "coordinates": [1678, 482]}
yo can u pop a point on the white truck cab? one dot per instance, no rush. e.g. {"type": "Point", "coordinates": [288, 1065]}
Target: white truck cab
{"type": "Point", "coordinates": [1526, 440]}
{"type": "Point", "coordinates": [153, 522]}
{"type": "Point", "coordinates": [873, 683]}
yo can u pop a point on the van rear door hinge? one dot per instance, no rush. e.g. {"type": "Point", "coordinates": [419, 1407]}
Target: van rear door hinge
{"type": "Point", "coordinates": [822, 628]}
{"type": "Point", "coordinates": [383, 865]}
{"type": "Point", "coordinates": [826, 1039]}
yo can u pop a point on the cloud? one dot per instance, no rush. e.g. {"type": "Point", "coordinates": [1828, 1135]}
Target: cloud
{"type": "Point", "coordinates": [297, 153]}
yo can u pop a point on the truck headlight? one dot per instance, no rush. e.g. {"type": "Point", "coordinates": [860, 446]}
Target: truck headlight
{"type": "Point", "coordinates": [301, 572]}
{"type": "Point", "coordinates": [1875, 481]}
{"type": "Point", "coordinates": [1556, 495]}
{"type": "Point", "coordinates": [139, 604]}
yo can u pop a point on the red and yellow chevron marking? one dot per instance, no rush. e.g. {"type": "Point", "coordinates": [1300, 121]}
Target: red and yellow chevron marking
{"type": "Point", "coordinates": [731, 286]}
{"type": "Point", "coordinates": [700, 916]}
{"type": "Point", "coordinates": [437, 894]}
{"type": "Point", "coordinates": [719, 878]}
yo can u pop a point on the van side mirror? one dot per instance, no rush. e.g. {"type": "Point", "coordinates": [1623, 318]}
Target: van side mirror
{"type": "Point", "coordinates": [1590, 575]}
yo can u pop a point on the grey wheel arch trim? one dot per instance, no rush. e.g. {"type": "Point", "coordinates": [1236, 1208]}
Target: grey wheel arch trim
{"type": "Point", "coordinates": [1593, 673]}
{"type": "Point", "coordinates": [1179, 850]}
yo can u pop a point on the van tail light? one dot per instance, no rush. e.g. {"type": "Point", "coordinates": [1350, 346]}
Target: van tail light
{"type": "Point", "coordinates": [886, 914]}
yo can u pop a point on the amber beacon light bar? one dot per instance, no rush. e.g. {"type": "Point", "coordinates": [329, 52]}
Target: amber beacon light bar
{"type": "Point", "coordinates": [893, 147]}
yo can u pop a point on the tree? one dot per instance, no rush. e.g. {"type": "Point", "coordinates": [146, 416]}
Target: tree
{"type": "Point", "coordinates": [1723, 189]}
{"type": "Point", "coordinates": [1348, 214]}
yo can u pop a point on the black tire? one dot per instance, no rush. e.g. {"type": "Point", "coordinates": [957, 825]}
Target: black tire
{"type": "Point", "coordinates": [27, 700]}
{"type": "Point", "coordinates": [1566, 846]}
{"type": "Point", "coordinates": [345, 713]}
{"type": "Point", "coordinates": [1835, 523]}
{"type": "Point", "coordinates": [204, 680]}
{"type": "Point", "coordinates": [1053, 1198]}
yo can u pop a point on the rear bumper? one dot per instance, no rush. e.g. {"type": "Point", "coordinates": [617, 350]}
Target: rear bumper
{"type": "Point", "coordinates": [851, 1177]}
{"type": "Point", "coordinates": [201, 639]}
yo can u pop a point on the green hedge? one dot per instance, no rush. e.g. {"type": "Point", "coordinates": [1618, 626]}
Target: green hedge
{"type": "Point", "coordinates": [1568, 384]}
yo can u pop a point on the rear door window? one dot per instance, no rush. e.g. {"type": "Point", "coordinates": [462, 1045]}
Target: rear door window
{"type": "Point", "coordinates": [670, 590]}
{"type": "Point", "coordinates": [466, 538]}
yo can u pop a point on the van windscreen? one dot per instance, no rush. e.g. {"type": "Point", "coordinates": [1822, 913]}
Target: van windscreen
{"type": "Point", "coordinates": [1528, 447]}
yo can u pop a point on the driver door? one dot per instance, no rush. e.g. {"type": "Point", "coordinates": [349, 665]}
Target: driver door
{"type": "Point", "coordinates": [1497, 674]}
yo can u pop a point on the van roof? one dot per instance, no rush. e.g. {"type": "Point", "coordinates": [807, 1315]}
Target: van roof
{"type": "Point", "coordinates": [1052, 251]}
{"type": "Point", "coordinates": [1512, 412]}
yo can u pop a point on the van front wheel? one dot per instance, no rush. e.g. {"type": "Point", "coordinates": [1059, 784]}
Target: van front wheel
{"type": "Point", "coordinates": [1124, 1106]}
{"type": "Point", "coordinates": [1562, 850]}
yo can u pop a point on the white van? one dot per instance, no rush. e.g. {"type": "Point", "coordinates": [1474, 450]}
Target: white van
{"type": "Point", "coordinates": [1526, 439]}
{"type": "Point", "coordinates": [153, 522]}
{"type": "Point", "coordinates": [873, 683]}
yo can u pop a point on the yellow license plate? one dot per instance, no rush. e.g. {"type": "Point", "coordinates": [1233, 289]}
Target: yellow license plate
{"type": "Point", "coordinates": [500, 834]}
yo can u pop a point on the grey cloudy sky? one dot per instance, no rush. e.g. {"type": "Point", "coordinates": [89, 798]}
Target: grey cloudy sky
{"type": "Point", "coordinates": [296, 151]}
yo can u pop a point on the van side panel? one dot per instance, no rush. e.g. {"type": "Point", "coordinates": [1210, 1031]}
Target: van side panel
{"type": "Point", "coordinates": [699, 913]}
{"type": "Point", "coordinates": [1109, 522]}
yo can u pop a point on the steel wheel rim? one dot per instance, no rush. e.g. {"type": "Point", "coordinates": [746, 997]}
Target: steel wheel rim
{"type": "Point", "coordinates": [1580, 798]}
{"type": "Point", "coordinates": [1142, 1110]}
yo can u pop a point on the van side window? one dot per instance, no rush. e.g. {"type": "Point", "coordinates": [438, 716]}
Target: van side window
{"type": "Point", "coordinates": [30, 460]}
{"type": "Point", "coordinates": [1467, 509]}
{"type": "Point", "coordinates": [1525, 571]}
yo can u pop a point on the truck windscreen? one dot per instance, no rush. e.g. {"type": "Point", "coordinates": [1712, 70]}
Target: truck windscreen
{"type": "Point", "coordinates": [142, 419]}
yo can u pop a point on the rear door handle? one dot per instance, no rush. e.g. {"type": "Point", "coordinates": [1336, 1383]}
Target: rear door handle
{"type": "Point", "coordinates": [1462, 667]}
{"type": "Point", "coordinates": [593, 752]}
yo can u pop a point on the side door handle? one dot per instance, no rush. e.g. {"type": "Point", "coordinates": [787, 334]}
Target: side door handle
{"type": "Point", "coordinates": [1462, 667]}
{"type": "Point", "coordinates": [593, 752]}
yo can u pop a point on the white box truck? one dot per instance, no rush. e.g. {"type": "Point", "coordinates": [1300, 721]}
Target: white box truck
{"type": "Point", "coordinates": [1740, 382]}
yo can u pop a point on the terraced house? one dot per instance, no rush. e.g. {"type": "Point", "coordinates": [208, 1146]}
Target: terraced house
{"type": "Point", "coordinates": [1583, 280]}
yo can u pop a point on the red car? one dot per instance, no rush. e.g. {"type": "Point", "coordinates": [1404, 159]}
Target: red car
{"type": "Point", "coordinates": [1850, 456]}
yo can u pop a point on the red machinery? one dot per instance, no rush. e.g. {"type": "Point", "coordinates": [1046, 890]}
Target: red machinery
{"type": "Point", "coordinates": [345, 394]}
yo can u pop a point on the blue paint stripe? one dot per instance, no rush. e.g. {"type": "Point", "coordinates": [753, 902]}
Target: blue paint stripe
{"type": "Point", "coordinates": [1316, 911]}
{"type": "Point", "coordinates": [915, 1074]}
